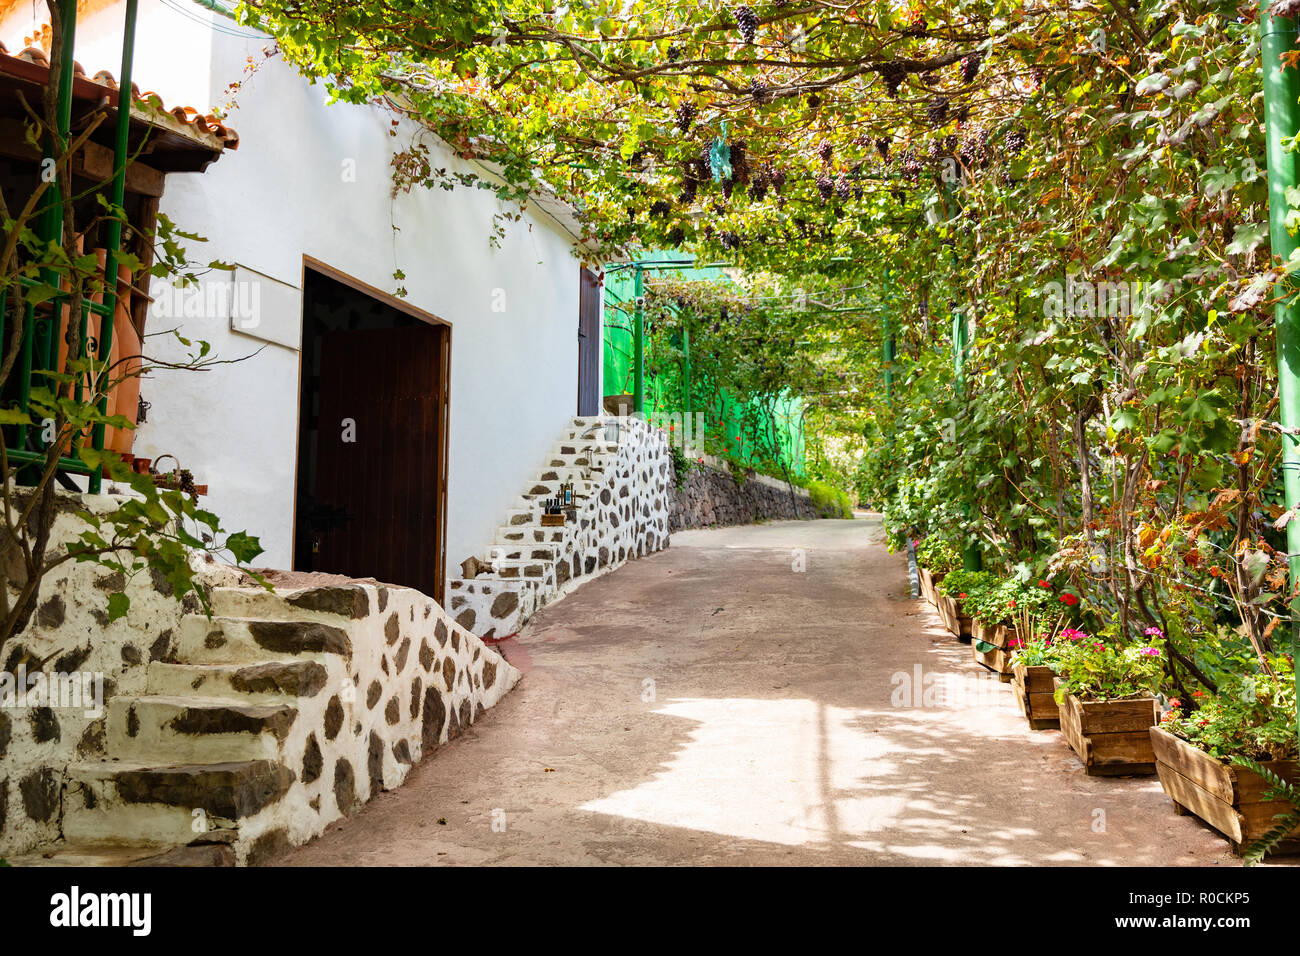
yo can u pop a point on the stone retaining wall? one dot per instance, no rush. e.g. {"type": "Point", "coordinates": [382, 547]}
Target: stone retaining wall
{"type": "Point", "coordinates": [709, 497]}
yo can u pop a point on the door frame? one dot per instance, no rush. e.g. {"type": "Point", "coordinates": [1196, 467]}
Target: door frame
{"type": "Point", "coordinates": [444, 386]}
{"type": "Point", "coordinates": [589, 278]}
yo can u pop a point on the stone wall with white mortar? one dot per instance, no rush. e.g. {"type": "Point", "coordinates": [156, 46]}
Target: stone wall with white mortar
{"type": "Point", "coordinates": [330, 693]}
{"type": "Point", "coordinates": [623, 514]}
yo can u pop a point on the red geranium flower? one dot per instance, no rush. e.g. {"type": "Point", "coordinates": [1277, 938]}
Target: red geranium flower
{"type": "Point", "coordinates": [962, 596]}
{"type": "Point", "coordinates": [1068, 599]}
{"type": "Point", "coordinates": [1044, 584]}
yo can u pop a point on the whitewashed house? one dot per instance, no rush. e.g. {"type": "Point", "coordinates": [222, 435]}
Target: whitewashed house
{"type": "Point", "coordinates": [367, 432]}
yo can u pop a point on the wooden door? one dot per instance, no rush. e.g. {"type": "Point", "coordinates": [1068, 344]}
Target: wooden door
{"type": "Point", "coordinates": [380, 446]}
{"type": "Point", "coordinates": [589, 344]}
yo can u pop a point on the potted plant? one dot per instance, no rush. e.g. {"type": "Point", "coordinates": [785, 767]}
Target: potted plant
{"type": "Point", "coordinates": [1230, 758]}
{"type": "Point", "coordinates": [955, 588]}
{"type": "Point", "coordinates": [990, 607]}
{"type": "Point", "coordinates": [935, 557]}
{"type": "Point", "coordinates": [1105, 692]}
{"type": "Point", "coordinates": [1033, 644]}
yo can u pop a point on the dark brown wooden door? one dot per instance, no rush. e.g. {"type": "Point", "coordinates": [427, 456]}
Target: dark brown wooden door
{"type": "Point", "coordinates": [589, 345]}
{"type": "Point", "coordinates": [379, 448]}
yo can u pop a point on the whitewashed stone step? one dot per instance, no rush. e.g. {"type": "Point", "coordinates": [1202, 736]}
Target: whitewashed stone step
{"type": "Point", "coordinates": [225, 640]}
{"type": "Point", "coordinates": [270, 682]}
{"type": "Point", "coordinates": [192, 729]}
{"type": "Point", "coordinates": [550, 551]}
{"type": "Point", "coordinates": [148, 803]}
{"type": "Point", "coordinates": [516, 535]}
{"type": "Point", "coordinates": [321, 603]}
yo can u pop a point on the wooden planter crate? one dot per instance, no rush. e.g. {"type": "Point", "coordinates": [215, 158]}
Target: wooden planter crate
{"type": "Point", "coordinates": [998, 659]}
{"type": "Point", "coordinates": [1227, 797]}
{"type": "Point", "coordinates": [958, 624]}
{"type": "Point", "coordinates": [1111, 737]}
{"type": "Point", "coordinates": [1035, 689]}
{"type": "Point", "coordinates": [928, 582]}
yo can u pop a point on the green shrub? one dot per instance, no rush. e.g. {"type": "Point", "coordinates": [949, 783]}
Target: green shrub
{"type": "Point", "coordinates": [829, 501]}
{"type": "Point", "coordinates": [1252, 715]}
{"type": "Point", "coordinates": [937, 555]}
{"type": "Point", "coordinates": [967, 585]}
{"type": "Point", "coordinates": [681, 464]}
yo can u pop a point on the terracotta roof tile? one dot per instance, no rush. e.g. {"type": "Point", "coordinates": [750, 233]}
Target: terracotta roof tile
{"type": "Point", "coordinates": [187, 115]}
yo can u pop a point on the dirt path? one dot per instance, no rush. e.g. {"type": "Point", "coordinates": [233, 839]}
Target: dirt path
{"type": "Point", "coordinates": [710, 704]}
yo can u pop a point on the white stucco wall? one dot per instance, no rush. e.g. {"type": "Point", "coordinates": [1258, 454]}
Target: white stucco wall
{"type": "Point", "coordinates": [282, 195]}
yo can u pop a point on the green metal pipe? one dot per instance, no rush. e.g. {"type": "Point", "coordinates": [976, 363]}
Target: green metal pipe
{"type": "Point", "coordinates": [686, 370]}
{"type": "Point", "coordinates": [638, 342]}
{"type": "Point", "coordinates": [1281, 123]}
{"type": "Point", "coordinates": [113, 243]}
{"type": "Point", "coordinates": [887, 339]}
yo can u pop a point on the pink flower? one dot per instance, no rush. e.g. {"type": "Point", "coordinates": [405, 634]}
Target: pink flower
{"type": "Point", "coordinates": [1154, 632]}
{"type": "Point", "coordinates": [1150, 652]}
{"type": "Point", "coordinates": [1073, 634]}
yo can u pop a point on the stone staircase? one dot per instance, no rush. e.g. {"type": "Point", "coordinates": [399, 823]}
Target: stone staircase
{"type": "Point", "coordinates": [608, 460]}
{"type": "Point", "coordinates": [279, 714]}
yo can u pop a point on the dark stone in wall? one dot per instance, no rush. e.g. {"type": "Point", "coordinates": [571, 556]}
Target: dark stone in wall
{"type": "Point", "coordinates": [435, 715]}
{"type": "Point", "coordinates": [235, 790]}
{"type": "Point", "coordinates": [312, 761]}
{"type": "Point", "coordinates": [235, 719]}
{"type": "Point", "coordinates": [296, 678]}
{"type": "Point", "coordinates": [40, 792]}
{"type": "Point", "coordinates": [6, 732]}
{"type": "Point", "coordinates": [375, 764]}
{"type": "Point", "coordinates": [333, 718]}
{"type": "Point", "coordinates": [417, 685]}
{"type": "Point", "coordinates": [45, 726]}
{"type": "Point", "coordinates": [268, 846]}
{"type": "Point", "coordinates": [300, 637]}
{"type": "Point", "coordinates": [52, 613]}
{"type": "Point", "coordinates": [709, 497]}
{"type": "Point", "coordinates": [349, 601]}
{"type": "Point", "coordinates": [505, 602]}
{"type": "Point", "coordinates": [161, 649]}
{"type": "Point", "coordinates": [345, 786]}
{"type": "Point", "coordinates": [92, 740]}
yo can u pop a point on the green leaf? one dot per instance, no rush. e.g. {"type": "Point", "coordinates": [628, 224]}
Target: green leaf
{"type": "Point", "coordinates": [244, 547]}
{"type": "Point", "coordinates": [118, 605]}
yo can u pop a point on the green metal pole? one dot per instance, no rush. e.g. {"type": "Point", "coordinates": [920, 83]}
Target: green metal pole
{"type": "Point", "coordinates": [114, 229]}
{"type": "Point", "coordinates": [887, 346]}
{"type": "Point", "coordinates": [887, 355]}
{"type": "Point", "coordinates": [1281, 123]}
{"type": "Point", "coordinates": [40, 340]}
{"type": "Point", "coordinates": [686, 367]}
{"type": "Point", "coordinates": [638, 343]}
